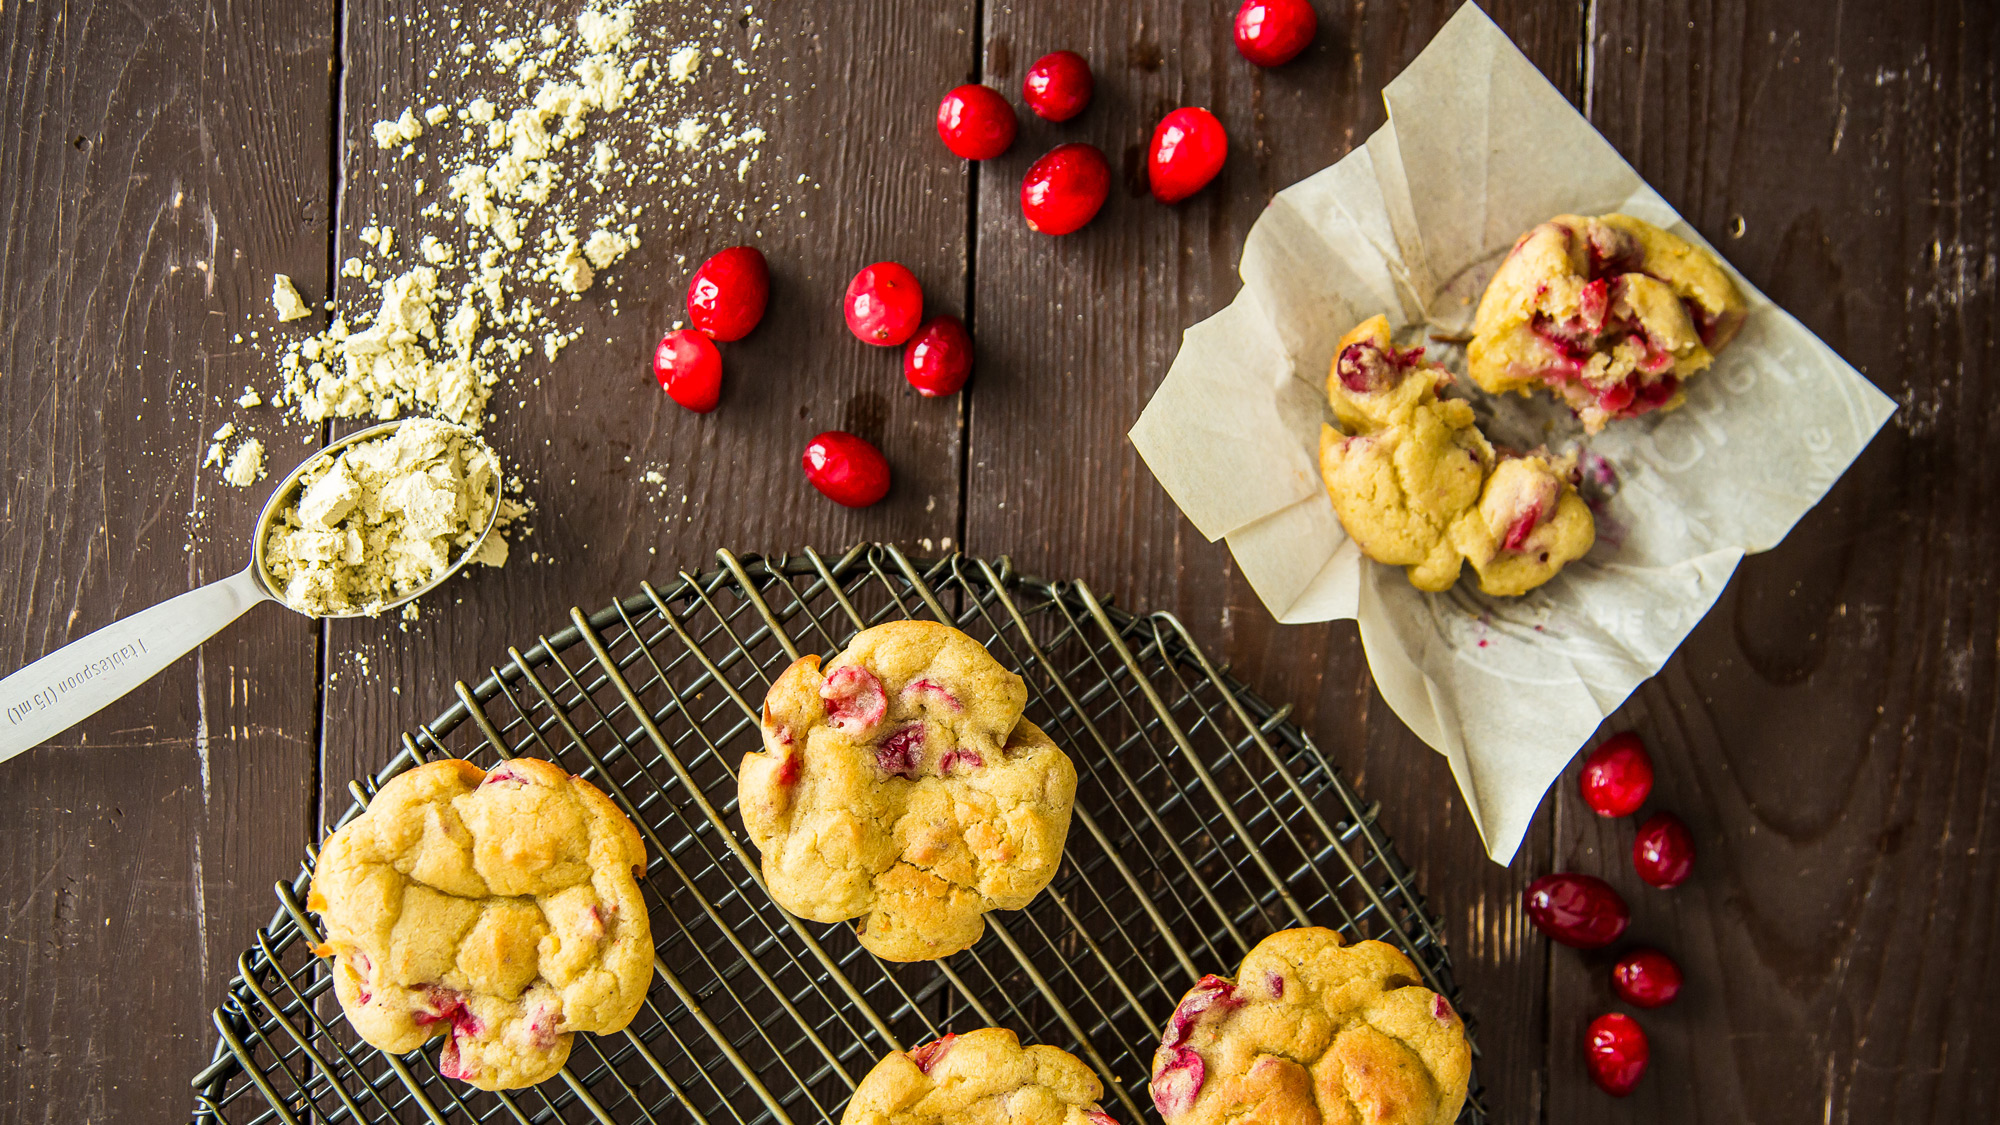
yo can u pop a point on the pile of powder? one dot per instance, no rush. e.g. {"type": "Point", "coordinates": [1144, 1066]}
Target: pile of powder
{"type": "Point", "coordinates": [385, 517]}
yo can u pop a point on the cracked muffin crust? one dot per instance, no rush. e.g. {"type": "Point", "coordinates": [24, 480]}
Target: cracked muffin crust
{"type": "Point", "coordinates": [1410, 463]}
{"type": "Point", "coordinates": [497, 909]}
{"type": "Point", "coordinates": [902, 786]}
{"type": "Point", "coordinates": [1611, 313]}
{"type": "Point", "coordinates": [983, 1077]}
{"type": "Point", "coordinates": [1313, 1032]}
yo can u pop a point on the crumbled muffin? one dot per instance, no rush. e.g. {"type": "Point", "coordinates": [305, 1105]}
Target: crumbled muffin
{"type": "Point", "coordinates": [1611, 313]}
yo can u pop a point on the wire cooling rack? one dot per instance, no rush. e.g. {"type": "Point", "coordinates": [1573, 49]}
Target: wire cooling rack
{"type": "Point", "coordinates": [1204, 821]}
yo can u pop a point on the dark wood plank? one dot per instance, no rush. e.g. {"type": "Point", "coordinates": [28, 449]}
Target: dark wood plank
{"type": "Point", "coordinates": [1075, 333]}
{"type": "Point", "coordinates": [845, 92]}
{"type": "Point", "coordinates": [161, 166]}
{"type": "Point", "coordinates": [1828, 731]}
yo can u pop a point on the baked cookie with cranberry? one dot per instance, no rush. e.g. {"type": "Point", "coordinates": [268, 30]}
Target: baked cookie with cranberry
{"type": "Point", "coordinates": [1409, 463]}
{"type": "Point", "coordinates": [901, 786]}
{"type": "Point", "coordinates": [1313, 1032]}
{"type": "Point", "coordinates": [983, 1077]}
{"type": "Point", "coordinates": [499, 910]}
{"type": "Point", "coordinates": [1611, 313]}
{"type": "Point", "coordinates": [1529, 524]}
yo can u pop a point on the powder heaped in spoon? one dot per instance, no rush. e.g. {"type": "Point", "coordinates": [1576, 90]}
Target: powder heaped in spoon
{"type": "Point", "coordinates": [384, 518]}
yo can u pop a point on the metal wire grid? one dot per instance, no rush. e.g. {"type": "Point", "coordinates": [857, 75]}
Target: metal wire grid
{"type": "Point", "coordinates": [1204, 820]}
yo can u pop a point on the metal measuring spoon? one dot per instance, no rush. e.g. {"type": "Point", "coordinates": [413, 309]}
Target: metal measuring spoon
{"type": "Point", "coordinates": [81, 678]}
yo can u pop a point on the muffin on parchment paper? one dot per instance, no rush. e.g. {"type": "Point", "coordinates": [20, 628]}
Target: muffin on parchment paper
{"type": "Point", "coordinates": [497, 909]}
{"type": "Point", "coordinates": [1611, 313]}
{"type": "Point", "coordinates": [902, 786]}
{"type": "Point", "coordinates": [1416, 484]}
{"type": "Point", "coordinates": [983, 1077]}
{"type": "Point", "coordinates": [1313, 1032]}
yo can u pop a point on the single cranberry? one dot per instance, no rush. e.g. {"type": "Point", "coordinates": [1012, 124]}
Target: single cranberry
{"type": "Point", "coordinates": [727, 296]}
{"type": "Point", "coordinates": [1646, 978]}
{"type": "Point", "coordinates": [846, 469]}
{"type": "Point", "coordinates": [1663, 851]}
{"type": "Point", "coordinates": [884, 305]}
{"type": "Point", "coordinates": [689, 369]}
{"type": "Point", "coordinates": [1065, 188]}
{"type": "Point", "coordinates": [1058, 86]}
{"type": "Point", "coordinates": [1273, 32]}
{"type": "Point", "coordinates": [975, 122]}
{"type": "Point", "coordinates": [928, 1055]}
{"type": "Point", "coordinates": [939, 357]}
{"type": "Point", "coordinates": [1618, 776]}
{"type": "Point", "coordinates": [1579, 910]}
{"type": "Point", "coordinates": [1188, 149]}
{"type": "Point", "coordinates": [1178, 1074]}
{"type": "Point", "coordinates": [1616, 1050]}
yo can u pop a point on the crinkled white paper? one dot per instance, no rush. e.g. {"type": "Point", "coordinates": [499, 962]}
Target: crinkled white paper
{"type": "Point", "coordinates": [1478, 148]}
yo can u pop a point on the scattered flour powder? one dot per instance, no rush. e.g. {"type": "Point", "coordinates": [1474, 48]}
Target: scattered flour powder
{"type": "Point", "coordinates": [526, 212]}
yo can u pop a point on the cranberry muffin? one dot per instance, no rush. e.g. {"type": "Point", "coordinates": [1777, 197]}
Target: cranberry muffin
{"type": "Point", "coordinates": [497, 909]}
{"type": "Point", "coordinates": [1409, 463]}
{"type": "Point", "coordinates": [1611, 313]}
{"type": "Point", "coordinates": [900, 785]}
{"type": "Point", "coordinates": [978, 1078]}
{"type": "Point", "coordinates": [1313, 1032]}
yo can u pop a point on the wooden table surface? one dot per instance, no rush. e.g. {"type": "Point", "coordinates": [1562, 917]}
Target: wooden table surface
{"type": "Point", "coordinates": [1827, 731]}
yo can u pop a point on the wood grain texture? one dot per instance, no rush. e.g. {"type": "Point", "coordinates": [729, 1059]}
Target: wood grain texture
{"type": "Point", "coordinates": [160, 165]}
{"type": "Point", "coordinates": [1075, 333]}
{"type": "Point", "coordinates": [1828, 731]}
{"type": "Point", "coordinates": [835, 86]}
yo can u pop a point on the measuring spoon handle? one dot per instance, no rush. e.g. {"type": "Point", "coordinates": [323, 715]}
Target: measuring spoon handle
{"type": "Point", "coordinates": [83, 677]}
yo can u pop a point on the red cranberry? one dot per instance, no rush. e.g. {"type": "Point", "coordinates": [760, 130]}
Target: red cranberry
{"type": "Point", "coordinates": [846, 469]}
{"type": "Point", "coordinates": [939, 357]}
{"type": "Point", "coordinates": [928, 1055]}
{"type": "Point", "coordinates": [884, 304]}
{"type": "Point", "coordinates": [1273, 32]}
{"type": "Point", "coordinates": [1064, 189]}
{"type": "Point", "coordinates": [1058, 86]}
{"type": "Point", "coordinates": [975, 122]}
{"type": "Point", "coordinates": [1617, 776]}
{"type": "Point", "coordinates": [1578, 910]}
{"type": "Point", "coordinates": [689, 369]}
{"type": "Point", "coordinates": [1646, 978]}
{"type": "Point", "coordinates": [1663, 851]}
{"type": "Point", "coordinates": [1616, 1050]}
{"type": "Point", "coordinates": [1188, 149]}
{"type": "Point", "coordinates": [727, 296]}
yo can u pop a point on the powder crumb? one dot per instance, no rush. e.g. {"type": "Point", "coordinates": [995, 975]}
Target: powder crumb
{"type": "Point", "coordinates": [684, 64]}
{"type": "Point", "coordinates": [285, 298]}
{"type": "Point", "coordinates": [436, 115]}
{"type": "Point", "coordinates": [688, 133]}
{"type": "Point", "coordinates": [249, 398]}
{"type": "Point", "coordinates": [401, 131]}
{"type": "Point", "coordinates": [604, 31]}
{"type": "Point", "coordinates": [247, 466]}
{"type": "Point", "coordinates": [604, 248]}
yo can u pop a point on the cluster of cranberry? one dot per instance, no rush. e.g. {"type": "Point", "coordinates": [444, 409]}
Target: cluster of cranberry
{"type": "Point", "coordinates": [884, 304]}
{"type": "Point", "coordinates": [1585, 912]}
{"type": "Point", "coordinates": [1066, 188]}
